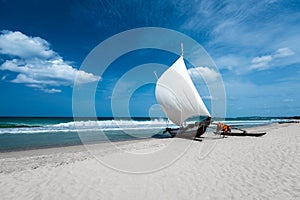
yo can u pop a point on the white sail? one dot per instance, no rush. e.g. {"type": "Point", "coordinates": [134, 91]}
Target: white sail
{"type": "Point", "coordinates": [177, 95]}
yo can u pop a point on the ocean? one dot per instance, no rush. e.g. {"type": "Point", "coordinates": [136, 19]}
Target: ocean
{"type": "Point", "coordinates": [23, 133]}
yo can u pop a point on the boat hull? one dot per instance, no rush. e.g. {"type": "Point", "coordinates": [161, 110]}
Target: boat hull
{"type": "Point", "coordinates": [243, 134]}
{"type": "Point", "coordinates": [191, 131]}
{"type": "Point", "coordinates": [185, 133]}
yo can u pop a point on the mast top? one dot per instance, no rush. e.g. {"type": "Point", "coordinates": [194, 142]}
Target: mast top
{"type": "Point", "coordinates": [181, 49]}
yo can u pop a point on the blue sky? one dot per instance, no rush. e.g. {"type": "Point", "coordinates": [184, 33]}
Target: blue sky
{"type": "Point", "coordinates": [255, 45]}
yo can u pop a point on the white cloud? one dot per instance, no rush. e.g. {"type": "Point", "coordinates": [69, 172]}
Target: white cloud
{"type": "Point", "coordinates": [259, 66]}
{"type": "Point", "coordinates": [37, 65]}
{"type": "Point", "coordinates": [51, 90]}
{"type": "Point", "coordinates": [283, 52]}
{"type": "Point", "coordinates": [208, 73]}
{"type": "Point", "coordinates": [265, 62]}
{"type": "Point", "coordinates": [261, 62]}
{"type": "Point", "coordinates": [241, 64]}
{"type": "Point", "coordinates": [262, 59]}
{"type": "Point", "coordinates": [18, 44]}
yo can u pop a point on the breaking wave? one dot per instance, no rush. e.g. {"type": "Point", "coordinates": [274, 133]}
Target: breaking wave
{"type": "Point", "coordinates": [85, 126]}
{"type": "Point", "coordinates": [108, 125]}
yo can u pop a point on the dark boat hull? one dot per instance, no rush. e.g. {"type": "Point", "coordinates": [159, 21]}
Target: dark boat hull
{"type": "Point", "coordinates": [191, 130]}
{"type": "Point", "coordinates": [185, 133]}
{"type": "Point", "coordinates": [244, 134]}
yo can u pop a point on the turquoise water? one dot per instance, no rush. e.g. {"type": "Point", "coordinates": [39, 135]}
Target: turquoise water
{"type": "Point", "coordinates": [32, 133]}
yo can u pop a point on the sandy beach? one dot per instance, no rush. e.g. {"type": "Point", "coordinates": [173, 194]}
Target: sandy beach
{"type": "Point", "coordinates": [217, 168]}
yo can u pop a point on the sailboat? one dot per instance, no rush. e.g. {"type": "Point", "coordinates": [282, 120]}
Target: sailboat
{"type": "Point", "coordinates": [179, 99]}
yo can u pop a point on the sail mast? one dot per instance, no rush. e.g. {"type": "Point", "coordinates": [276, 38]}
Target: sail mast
{"type": "Point", "coordinates": [181, 49]}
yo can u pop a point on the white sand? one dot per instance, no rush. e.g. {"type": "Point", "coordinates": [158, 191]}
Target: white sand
{"type": "Point", "coordinates": [232, 168]}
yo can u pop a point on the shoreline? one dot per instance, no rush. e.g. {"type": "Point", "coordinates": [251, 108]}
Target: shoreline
{"type": "Point", "coordinates": [50, 149]}
{"type": "Point", "coordinates": [106, 141]}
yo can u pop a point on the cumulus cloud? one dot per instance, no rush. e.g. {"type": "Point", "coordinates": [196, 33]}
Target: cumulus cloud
{"type": "Point", "coordinates": [23, 46]}
{"type": "Point", "coordinates": [36, 65]}
{"type": "Point", "coordinates": [208, 73]}
{"type": "Point", "coordinates": [265, 62]}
